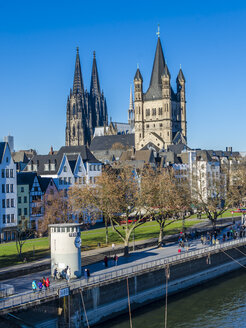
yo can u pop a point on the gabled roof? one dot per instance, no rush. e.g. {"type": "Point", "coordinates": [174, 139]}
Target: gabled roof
{"type": "Point", "coordinates": [26, 178]}
{"type": "Point", "coordinates": [2, 150]}
{"type": "Point", "coordinates": [106, 142]}
{"type": "Point", "coordinates": [71, 152]}
{"type": "Point", "coordinates": [44, 183]}
{"type": "Point", "coordinates": [20, 156]}
{"type": "Point", "coordinates": [178, 148]}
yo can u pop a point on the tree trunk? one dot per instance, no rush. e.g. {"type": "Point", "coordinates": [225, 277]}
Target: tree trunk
{"type": "Point", "coordinates": [126, 248]}
{"type": "Point", "coordinates": [160, 238]}
{"type": "Point", "coordinates": [106, 231]}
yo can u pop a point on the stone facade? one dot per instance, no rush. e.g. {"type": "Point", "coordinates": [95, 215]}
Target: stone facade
{"type": "Point", "coordinates": [85, 110]}
{"type": "Point", "coordinates": [160, 113]}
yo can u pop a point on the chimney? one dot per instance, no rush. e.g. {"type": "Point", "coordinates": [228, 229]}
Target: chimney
{"type": "Point", "coordinates": [229, 149]}
{"type": "Point", "coordinates": [51, 151]}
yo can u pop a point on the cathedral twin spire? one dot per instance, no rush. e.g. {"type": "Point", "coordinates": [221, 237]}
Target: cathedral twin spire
{"type": "Point", "coordinates": [85, 111]}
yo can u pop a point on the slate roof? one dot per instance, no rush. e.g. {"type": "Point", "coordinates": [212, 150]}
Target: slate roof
{"type": "Point", "coordinates": [106, 142]}
{"type": "Point", "coordinates": [71, 152]}
{"type": "Point", "coordinates": [26, 178]}
{"type": "Point", "coordinates": [20, 156]}
{"type": "Point", "coordinates": [180, 76]}
{"type": "Point", "coordinates": [178, 148]}
{"type": "Point", "coordinates": [2, 148]}
{"type": "Point", "coordinates": [44, 183]}
{"type": "Point", "coordinates": [138, 75]}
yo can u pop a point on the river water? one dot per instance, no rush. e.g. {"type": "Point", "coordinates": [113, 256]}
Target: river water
{"type": "Point", "coordinates": [220, 303]}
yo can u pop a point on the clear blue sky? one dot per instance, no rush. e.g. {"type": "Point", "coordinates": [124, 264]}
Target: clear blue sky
{"type": "Point", "coordinates": [38, 42]}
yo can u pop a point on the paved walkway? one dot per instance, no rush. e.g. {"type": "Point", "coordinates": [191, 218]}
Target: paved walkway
{"type": "Point", "coordinates": [23, 283]}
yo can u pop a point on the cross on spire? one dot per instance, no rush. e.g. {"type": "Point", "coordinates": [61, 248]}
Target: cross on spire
{"type": "Point", "coordinates": [158, 31]}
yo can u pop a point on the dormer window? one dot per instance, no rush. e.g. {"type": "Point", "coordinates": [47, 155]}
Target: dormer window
{"type": "Point", "coordinates": [46, 167]}
{"type": "Point", "coordinates": [52, 167]}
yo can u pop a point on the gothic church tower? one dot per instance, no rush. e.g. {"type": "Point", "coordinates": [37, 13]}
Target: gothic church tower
{"type": "Point", "coordinates": [85, 110]}
{"type": "Point", "coordinates": [160, 113]}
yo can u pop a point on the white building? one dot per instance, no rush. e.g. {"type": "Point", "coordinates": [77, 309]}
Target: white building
{"type": "Point", "coordinates": [8, 194]}
{"type": "Point", "coordinates": [70, 165]}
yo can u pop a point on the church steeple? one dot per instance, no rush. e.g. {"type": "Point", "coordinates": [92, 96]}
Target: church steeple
{"type": "Point", "coordinates": [158, 70]}
{"type": "Point", "coordinates": [95, 86]}
{"type": "Point", "coordinates": [78, 87]}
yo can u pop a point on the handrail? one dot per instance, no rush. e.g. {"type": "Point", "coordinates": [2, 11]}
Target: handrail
{"type": "Point", "coordinates": [30, 296]}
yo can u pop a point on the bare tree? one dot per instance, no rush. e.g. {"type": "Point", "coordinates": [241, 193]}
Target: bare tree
{"type": "Point", "coordinates": [167, 198]}
{"type": "Point", "coordinates": [217, 192]}
{"type": "Point", "coordinates": [57, 209]}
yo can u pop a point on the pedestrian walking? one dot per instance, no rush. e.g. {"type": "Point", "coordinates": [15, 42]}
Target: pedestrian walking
{"type": "Point", "coordinates": [44, 282]}
{"type": "Point", "coordinates": [34, 286]}
{"type": "Point", "coordinates": [106, 261]}
{"type": "Point", "coordinates": [40, 285]}
{"type": "Point", "coordinates": [47, 283]}
{"type": "Point", "coordinates": [115, 260]}
{"type": "Point", "coordinates": [55, 273]}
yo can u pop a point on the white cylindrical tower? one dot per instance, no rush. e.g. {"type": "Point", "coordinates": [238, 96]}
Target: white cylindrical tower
{"type": "Point", "coordinates": [65, 247]}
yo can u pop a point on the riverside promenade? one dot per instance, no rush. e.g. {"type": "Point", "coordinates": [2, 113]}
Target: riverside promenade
{"type": "Point", "coordinates": [138, 262]}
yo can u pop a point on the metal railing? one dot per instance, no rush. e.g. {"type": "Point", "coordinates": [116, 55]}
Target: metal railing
{"type": "Point", "coordinates": [30, 296]}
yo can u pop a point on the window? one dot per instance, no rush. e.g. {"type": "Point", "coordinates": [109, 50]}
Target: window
{"type": "Point", "coordinates": [3, 175]}
{"type": "Point", "coordinates": [147, 126]}
{"type": "Point", "coordinates": [69, 180]}
{"type": "Point", "coordinates": [7, 159]}
{"type": "Point", "coordinates": [60, 181]}
{"type": "Point", "coordinates": [65, 169]}
{"type": "Point", "coordinates": [3, 203]}
{"type": "Point", "coordinates": [12, 218]}
{"type": "Point", "coordinates": [65, 181]}
{"type": "Point", "coordinates": [7, 188]}
{"type": "Point", "coordinates": [11, 188]}
{"type": "Point", "coordinates": [153, 111]}
{"type": "Point", "coordinates": [11, 173]}
{"type": "Point", "coordinates": [25, 199]}
{"type": "Point", "coordinates": [160, 111]}
{"type": "Point", "coordinates": [8, 203]}
{"type": "Point", "coordinates": [7, 173]}
{"type": "Point", "coordinates": [84, 180]}
{"type": "Point", "coordinates": [99, 168]}
{"type": "Point", "coordinates": [22, 189]}
{"type": "Point", "coordinates": [91, 168]}
{"type": "Point", "coordinates": [4, 218]}
{"type": "Point", "coordinates": [19, 211]}
{"type": "Point", "coordinates": [8, 218]}
{"type": "Point", "coordinates": [3, 188]}
{"type": "Point", "coordinates": [46, 167]}
{"type": "Point", "coordinates": [80, 169]}
{"type": "Point", "coordinates": [12, 202]}
{"type": "Point", "coordinates": [25, 211]}
{"type": "Point", "coordinates": [52, 167]}
{"type": "Point", "coordinates": [19, 200]}
{"type": "Point", "coordinates": [147, 112]}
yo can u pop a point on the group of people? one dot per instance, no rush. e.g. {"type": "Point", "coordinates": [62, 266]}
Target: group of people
{"type": "Point", "coordinates": [64, 274]}
{"type": "Point", "coordinates": [106, 260]}
{"type": "Point", "coordinates": [42, 284]}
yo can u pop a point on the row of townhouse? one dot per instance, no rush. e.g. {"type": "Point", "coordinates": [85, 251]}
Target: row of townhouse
{"type": "Point", "coordinates": [22, 193]}
{"type": "Point", "coordinates": [69, 165]}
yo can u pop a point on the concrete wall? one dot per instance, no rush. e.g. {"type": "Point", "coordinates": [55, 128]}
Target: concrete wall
{"type": "Point", "coordinates": [107, 301]}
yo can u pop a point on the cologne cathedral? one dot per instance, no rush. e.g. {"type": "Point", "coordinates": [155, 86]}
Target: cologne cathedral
{"type": "Point", "coordinates": [85, 110]}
